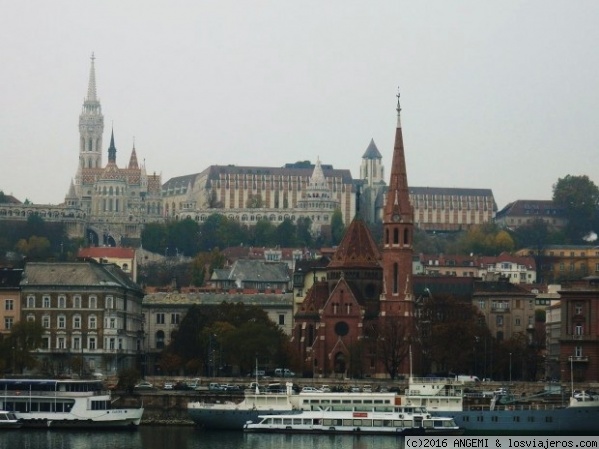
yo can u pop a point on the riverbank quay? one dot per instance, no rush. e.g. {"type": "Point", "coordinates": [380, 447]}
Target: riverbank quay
{"type": "Point", "coordinates": [169, 407]}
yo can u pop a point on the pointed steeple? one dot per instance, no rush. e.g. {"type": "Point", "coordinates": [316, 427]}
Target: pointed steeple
{"type": "Point", "coordinates": [133, 159]}
{"type": "Point", "coordinates": [398, 196]}
{"type": "Point", "coordinates": [372, 152]}
{"type": "Point", "coordinates": [398, 234]}
{"type": "Point", "coordinates": [112, 149]}
{"type": "Point", "coordinates": [91, 88]}
{"type": "Point", "coordinates": [318, 179]}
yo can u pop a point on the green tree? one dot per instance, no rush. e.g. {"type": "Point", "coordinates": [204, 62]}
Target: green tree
{"type": "Point", "coordinates": [25, 337]}
{"type": "Point", "coordinates": [183, 237]}
{"type": "Point", "coordinates": [337, 227]}
{"type": "Point", "coordinates": [285, 234]}
{"type": "Point", "coordinates": [154, 237]}
{"type": "Point", "coordinates": [304, 232]}
{"type": "Point", "coordinates": [579, 197]}
{"type": "Point", "coordinates": [263, 234]}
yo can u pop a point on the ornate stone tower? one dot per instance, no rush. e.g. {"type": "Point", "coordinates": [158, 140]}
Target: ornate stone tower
{"type": "Point", "coordinates": [91, 128]}
{"type": "Point", "coordinates": [398, 232]}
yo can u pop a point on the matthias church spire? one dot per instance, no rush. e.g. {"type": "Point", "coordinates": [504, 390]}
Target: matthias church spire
{"type": "Point", "coordinates": [91, 127]}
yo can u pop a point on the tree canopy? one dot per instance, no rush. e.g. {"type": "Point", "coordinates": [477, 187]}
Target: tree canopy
{"type": "Point", "coordinates": [579, 197]}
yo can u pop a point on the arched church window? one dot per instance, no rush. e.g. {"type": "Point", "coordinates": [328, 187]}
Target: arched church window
{"type": "Point", "coordinates": [406, 237]}
{"type": "Point", "coordinates": [396, 236]}
{"type": "Point", "coordinates": [395, 279]}
{"type": "Point", "coordinates": [89, 145]}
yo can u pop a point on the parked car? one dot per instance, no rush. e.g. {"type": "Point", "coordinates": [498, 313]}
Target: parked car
{"type": "Point", "coordinates": [284, 372]}
{"type": "Point", "coordinates": [182, 386]}
{"type": "Point", "coordinates": [215, 387]}
{"type": "Point", "coordinates": [311, 390]}
{"type": "Point", "coordinates": [168, 386]}
{"type": "Point", "coordinates": [144, 386]}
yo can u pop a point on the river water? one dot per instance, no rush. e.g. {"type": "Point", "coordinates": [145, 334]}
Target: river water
{"type": "Point", "coordinates": [185, 437]}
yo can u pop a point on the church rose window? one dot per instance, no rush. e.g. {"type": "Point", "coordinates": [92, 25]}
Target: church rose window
{"type": "Point", "coordinates": [341, 328]}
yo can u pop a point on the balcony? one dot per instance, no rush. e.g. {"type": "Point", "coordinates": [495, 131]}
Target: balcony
{"type": "Point", "coordinates": [578, 359]}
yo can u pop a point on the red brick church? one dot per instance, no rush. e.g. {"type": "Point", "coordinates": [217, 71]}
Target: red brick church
{"type": "Point", "coordinates": [359, 321]}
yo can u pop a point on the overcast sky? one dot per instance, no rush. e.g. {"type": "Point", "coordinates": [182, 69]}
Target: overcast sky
{"type": "Point", "coordinates": [494, 94]}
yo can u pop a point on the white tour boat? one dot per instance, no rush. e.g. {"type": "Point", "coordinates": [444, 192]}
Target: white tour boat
{"type": "Point", "coordinates": [64, 403]}
{"type": "Point", "coordinates": [402, 421]}
{"type": "Point", "coordinates": [8, 420]}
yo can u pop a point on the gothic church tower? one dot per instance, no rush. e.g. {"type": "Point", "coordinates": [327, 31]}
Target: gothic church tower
{"type": "Point", "coordinates": [91, 128]}
{"type": "Point", "coordinates": [398, 232]}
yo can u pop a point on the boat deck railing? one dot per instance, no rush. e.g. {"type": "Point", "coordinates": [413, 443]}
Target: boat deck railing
{"type": "Point", "coordinates": [510, 407]}
{"type": "Point", "coordinates": [62, 394]}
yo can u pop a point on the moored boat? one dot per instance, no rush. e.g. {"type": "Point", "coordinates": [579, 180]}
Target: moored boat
{"type": "Point", "coordinates": [229, 415]}
{"type": "Point", "coordinates": [402, 421]}
{"type": "Point", "coordinates": [65, 403]}
{"type": "Point", "coordinates": [443, 396]}
{"type": "Point", "coordinates": [8, 420]}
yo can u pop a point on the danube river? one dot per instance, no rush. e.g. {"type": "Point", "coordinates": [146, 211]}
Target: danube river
{"type": "Point", "coordinates": [185, 437]}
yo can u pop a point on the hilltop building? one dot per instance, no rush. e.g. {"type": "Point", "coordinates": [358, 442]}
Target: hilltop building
{"type": "Point", "coordinates": [251, 194]}
{"type": "Point", "coordinates": [116, 202]}
{"type": "Point", "coordinates": [436, 209]}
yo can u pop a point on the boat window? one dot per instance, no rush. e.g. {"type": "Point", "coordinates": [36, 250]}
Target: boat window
{"type": "Point", "coordinates": [297, 421]}
{"type": "Point", "coordinates": [367, 423]}
{"type": "Point", "coordinates": [287, 421]}
{"type": "Point", "coordinates": [357, 422]}
{"type": "Point", "coordinates": [449, 423]}
{"type": "Point", "coordinates": [327, 422]}
{"type": "Point", "coordinates": [407, 423]}
{"type": "Point", "coordinates": [377, 423]}
{"type": "Point", "coordinates": [307, 421]}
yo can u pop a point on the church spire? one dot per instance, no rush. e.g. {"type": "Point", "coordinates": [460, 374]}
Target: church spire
{"type": "Point", "coordinates": [112, 149]}
{"type": "Point", "coordinates": [398, 196]}
{"type": "Point", "coordinates": [133, 164]}
{"type": "Point", "coordinates": [398, 233]}
{"type": "Point", "coordinates": [91, 88]}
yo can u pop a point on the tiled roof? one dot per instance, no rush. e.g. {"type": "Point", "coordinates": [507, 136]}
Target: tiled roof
{"type": "Point", "coordinates": [372, 152]}
{"type": "Point", "coordinates": [107, 251]}
{"type": "Point", "coordinates": [256, 270]}
{"type": "Point", "coordinates": [75, 274]}
{"type": "Point", "coordinates": [189, 299]}
{"type": "Point", "coordinates": [10, 278]}
{"type": "Point", "coordinates": [357, 248]}
{"type": "Point", "coordinates": [531, 207]}
{"type": "Point", "coordinates": [450, 191]}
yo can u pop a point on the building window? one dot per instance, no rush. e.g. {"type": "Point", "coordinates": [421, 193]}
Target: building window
{"type": "Point", "coordinates": [499, 320]}
{"type": "Point", "coordinates": [77, 343]}
{"type": "Point", "coordinates": [578, 309]}
{"type": "Point", "coordinates": [62, 302]}
{"type": "Point", "coordinates": [8, 323]}
{"type": "Point", "coordinates": [160, 318]}
{"type": "Point", "coordinates": [31, 301]}
{"type": "Point", "coordinates": [91, 343]}
{"type": "Point", "coordinates": [159, 340]}
{"type": "Point", "coordinates": [9, 304]}
{"type": "Point", "coordinates": [46, 302]}
{"type": "Point", "coordinates": [92, 322]}
{"type": "Point", "coordinates": [45, 342]}
{"type": "Point", "coordinates": [281, 319]}
{"type": "Point", "coordinates": [77, 302]}
{"type": "Point", "coordinates": [62, 322]}
{"type": "Point", "coordinates": [481, 304]}
{"type": "Point", "coordinates": [112, 323]}
{"type": "Point", "coordinates": [60, 343]}
{"type": "Point", "coordinates": [175, 317]}
{"type": "Point", "coordinates": [578, 329]}
{"type": "Point", "coordinates": [77, 322]}
{"type": "Point", "coordinates": [109, 302]}
{"type": "Point", "coordinates": [517, 321]}
{"type": "Point", "coordinates": [93, 302]}
{"type": "Point", "coordinates": [578, 351]}
{"type": "Point", "coordinates": [46, 322]}
{"type": "Point", "coordinates": [31, 318]}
